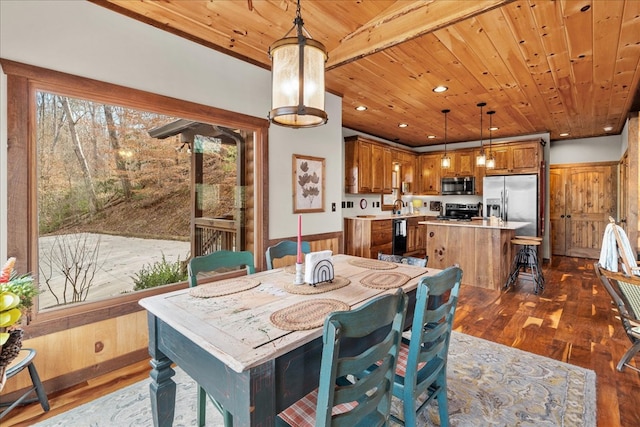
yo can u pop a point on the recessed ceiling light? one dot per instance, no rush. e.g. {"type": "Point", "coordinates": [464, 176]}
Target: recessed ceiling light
{"type": "Point", "coordinates": [440, 89]}
{"type": "Point", "coordinates": [402, 125]}
{"type": "Point", "coordinates": [361, 108]}
{"type": "Point", "coordinates": [608, 128]}
{"type": "Point", "coordinates": [494, 128]}
{"type": "Point", "coordinates": [431, 137]}
{"type": "Point", "coordinates": [564, 134]}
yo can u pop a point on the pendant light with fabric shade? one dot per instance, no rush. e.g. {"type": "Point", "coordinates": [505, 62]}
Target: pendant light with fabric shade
{"type": "Point", "coordinates": [445, 162]}
{"type": "Point", "coordinates": [481, 158]}
{"type": "Point", "coordinates": [297, 79]}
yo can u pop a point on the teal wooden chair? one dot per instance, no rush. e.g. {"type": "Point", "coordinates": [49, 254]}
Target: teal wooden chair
{"type": "Point", "coordinates": [349, 394]}
{"type": "Point", "coordinates": [400, 259]}
{"type": "Point", "coordinates": [283, 249]}
{"type": "Point", "coordinates": [216, 261]}
{"type": "Point", "coordinates": [422, 361]}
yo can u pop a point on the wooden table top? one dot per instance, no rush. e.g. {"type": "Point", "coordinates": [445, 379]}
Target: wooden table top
{"type": "Point", "coordinates": [236, 328]}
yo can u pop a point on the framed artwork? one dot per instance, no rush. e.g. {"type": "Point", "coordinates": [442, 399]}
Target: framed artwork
{"type": "Point", "coordinates": [308, 184]}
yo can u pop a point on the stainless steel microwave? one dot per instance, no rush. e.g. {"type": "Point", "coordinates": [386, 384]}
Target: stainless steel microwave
{"type": "Point", "coordinates": [458, 185]}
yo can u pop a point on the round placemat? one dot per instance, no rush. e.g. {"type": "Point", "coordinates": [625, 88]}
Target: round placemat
{"type": "Point", "coordinates": [306, 314]}
{"type": "Point", "coordinates": [224, 287]}
{"type": "Point", "coordinates": [372, 264]}
{"type": "Point", "coordinates": [306, 289]}
{"type": "Point", "coordinates": [384, 280]}
{"type": "Point", "coordinates": [291, 269]}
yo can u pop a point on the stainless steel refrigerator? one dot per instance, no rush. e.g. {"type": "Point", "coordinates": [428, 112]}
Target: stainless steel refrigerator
{"type": "Point", "coordinates": [513, 198]}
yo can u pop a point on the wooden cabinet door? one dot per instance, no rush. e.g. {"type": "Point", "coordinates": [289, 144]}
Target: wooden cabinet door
{"type": "Point", "coordinates": [377, 168]}
{"type": "Point", "coordinates": [365, 167]}
{"type": "Point", "coordinates": [479, 173]}
{"type": "Point", "coordinates": [387, 171]}
{"type": "Point", "coordinates": [581, 201]}
{"type": "Point", "coordinates": [524, 158]}
{"type": "Point", "coordinates": [408, 172]}
{"type": "Point", "coordinates": [465, 163]}
{"type": "Point", "coordinates": [502, 154]}
{"type": "Point", "coordinates": [430, 173]}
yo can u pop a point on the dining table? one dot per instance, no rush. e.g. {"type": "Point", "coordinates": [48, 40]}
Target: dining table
{"type": "Point", "coordinates": [254, 342]}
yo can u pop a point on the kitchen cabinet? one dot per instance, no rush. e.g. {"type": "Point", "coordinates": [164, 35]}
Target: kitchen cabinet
{"type": "Point", "coordinates": [416, 235]}
{"type": "Point", "coordinates": [368, 166]}
{"type": "Point", "coordinates": [479, 174]}
{"type": "Point", "coordinates": [462, 163]}
{"type": "Point", "coordinates": [429, 165]}
{"type": "Point", "coordinates": [516, 158]}
{"type": "Point", "coordinates": [366, 237]}
{"type": "Point", "coordinates": [406, 169]}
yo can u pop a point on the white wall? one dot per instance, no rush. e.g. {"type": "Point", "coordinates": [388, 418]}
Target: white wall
{"type": "Point", "coordinates": [84, 39]}
{"type": "Point", "coordinates": [586, 150]}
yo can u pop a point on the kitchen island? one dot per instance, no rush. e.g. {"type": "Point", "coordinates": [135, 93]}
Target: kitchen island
{"type": "Point", "coordinates": [480, 247]}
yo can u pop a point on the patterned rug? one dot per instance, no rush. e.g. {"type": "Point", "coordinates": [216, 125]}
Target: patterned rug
{"type": "Point", "coordinates": [489, 385]}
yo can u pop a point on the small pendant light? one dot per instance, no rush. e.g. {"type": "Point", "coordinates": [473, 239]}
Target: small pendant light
{"type": "Point", "coordinates": [445, 162]}
{"type": "Point", "coordinates": [491, 161]}
{"type": "Point", "coordinates": [297, 79]}
{"type": "Point", "coordinates": [481, 158]}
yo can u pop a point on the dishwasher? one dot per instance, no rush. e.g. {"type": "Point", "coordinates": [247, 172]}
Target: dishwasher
{"type": "Point", "coordinates": [399, 246]}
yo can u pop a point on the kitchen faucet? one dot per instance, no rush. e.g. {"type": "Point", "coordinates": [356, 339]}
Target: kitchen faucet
{"type": "Point", "coordinates": [399, 208]}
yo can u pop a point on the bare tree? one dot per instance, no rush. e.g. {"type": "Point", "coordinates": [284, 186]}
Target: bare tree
{"type": "Point", "coordinates": [75, 259]}
{"type": "Point", "coordinates": [82, 160]}
{"type": "Point", "coordinates": [121, 165]}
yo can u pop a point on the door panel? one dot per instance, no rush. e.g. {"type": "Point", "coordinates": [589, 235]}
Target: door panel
{"type": "Point", "coordinates": [581, 201]}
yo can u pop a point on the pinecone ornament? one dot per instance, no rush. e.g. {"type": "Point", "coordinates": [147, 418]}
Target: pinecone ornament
{"type": "Point", "coordinates": [11, 348]}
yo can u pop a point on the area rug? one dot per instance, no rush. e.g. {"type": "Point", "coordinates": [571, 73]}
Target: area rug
{"type": "Point", "coordinates": [489, 385]}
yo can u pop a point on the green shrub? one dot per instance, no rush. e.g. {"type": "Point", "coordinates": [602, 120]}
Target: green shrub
{"type": "Point", "coordinates": [158, 274]}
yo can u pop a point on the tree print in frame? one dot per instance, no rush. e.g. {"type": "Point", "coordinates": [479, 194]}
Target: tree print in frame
{"type": "Point", "coordinates": [308, 184]}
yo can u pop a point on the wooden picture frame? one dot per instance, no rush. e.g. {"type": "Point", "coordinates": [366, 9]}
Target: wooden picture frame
{"type": "Point", "coordinates": [308, 183]}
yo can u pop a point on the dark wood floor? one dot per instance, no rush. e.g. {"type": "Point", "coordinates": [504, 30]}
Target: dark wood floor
{"type": "Point", "coordinates": [571, 321]}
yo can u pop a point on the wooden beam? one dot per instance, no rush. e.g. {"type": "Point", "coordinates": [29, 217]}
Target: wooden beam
{"type": "Point", "coordinates": [404, 22]}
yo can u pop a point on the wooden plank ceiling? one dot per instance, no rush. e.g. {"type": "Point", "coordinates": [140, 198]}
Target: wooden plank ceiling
{"type": "Point", "coordinates": [563, 66]}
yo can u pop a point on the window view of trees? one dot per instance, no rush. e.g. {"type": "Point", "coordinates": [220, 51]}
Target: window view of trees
{"type": "Point", "coordinates": [114, 201]}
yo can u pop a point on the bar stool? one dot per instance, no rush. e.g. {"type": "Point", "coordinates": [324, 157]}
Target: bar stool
{"type": "Point", "coordinates": [25, 360]}
{"type": "Point", "coordinates": [526, 258]}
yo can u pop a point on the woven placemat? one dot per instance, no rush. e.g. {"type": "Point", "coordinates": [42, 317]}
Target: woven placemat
{"type": "Point", "coordinates": [306, 314]}
{"type": "Point", "coordinates": [372, 264]}
{"type": "Point", "coordinates": [224, 287]}
{"type": "Point", "coordinates": [291, 269]}
{"type": "Point", "coordinates": [306, 289]}
{"type": "Point", "coordinates": [385, 280]}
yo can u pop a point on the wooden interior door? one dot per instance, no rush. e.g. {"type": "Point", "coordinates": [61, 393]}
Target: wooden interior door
{"type": "Point", "coordinates": [582, 199]}
{"type": "Point", "coordinates": [557, 188]}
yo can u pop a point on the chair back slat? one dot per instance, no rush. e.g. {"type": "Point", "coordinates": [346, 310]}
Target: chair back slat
{"type": "Point", "coordinates": [283, 249]}
{"type": "Point", "coordinates": [344, 378]}
{"type": "Point", "coordinates": [218, 260]}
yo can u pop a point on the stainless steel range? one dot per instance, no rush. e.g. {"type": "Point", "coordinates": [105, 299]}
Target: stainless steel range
{"type": "Point", "coordinates": [460, 212]}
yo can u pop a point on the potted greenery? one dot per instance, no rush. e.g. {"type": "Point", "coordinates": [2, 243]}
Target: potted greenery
{"type": "Point", "coordinates": [16, 299]}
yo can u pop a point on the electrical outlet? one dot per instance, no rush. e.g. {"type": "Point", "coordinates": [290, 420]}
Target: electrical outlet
{"type": "Point", "coordinates": [333, 207]}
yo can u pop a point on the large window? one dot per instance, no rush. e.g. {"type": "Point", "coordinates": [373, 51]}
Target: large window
{"type": "Point", "coordinates": [124, 187]}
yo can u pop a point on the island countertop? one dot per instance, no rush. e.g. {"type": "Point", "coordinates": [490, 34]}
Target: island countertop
{"type": "Point", "coordinates": [478, 223]}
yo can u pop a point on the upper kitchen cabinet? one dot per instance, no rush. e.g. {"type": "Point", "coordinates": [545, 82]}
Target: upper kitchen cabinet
{"type": "Point", "coordinates": [480, 173]}
{"type": "Point", "coordinates": [429, 176]}
{"type": "Point", "coordinates": [516, 158]}
{"type": "Point", "coordinates": [368, 166]}
{"type": "Point", "coordinates": [404, 164]}
{"type": "Point", "coordinates": [462, 163]}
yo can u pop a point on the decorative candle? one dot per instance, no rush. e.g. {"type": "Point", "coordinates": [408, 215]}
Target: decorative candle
{"type": "Point", "coordinates": [299, 260]}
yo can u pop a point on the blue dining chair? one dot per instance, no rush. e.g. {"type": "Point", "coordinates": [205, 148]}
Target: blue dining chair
{"type": "Point", "coordinates": [348, 394]}
{"type": "Point", "coordinates": [206, 264]}
{"type": "Point", "coordinates": [422, 361]}
{"type": "Point", "coordinates": [283, 249]}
